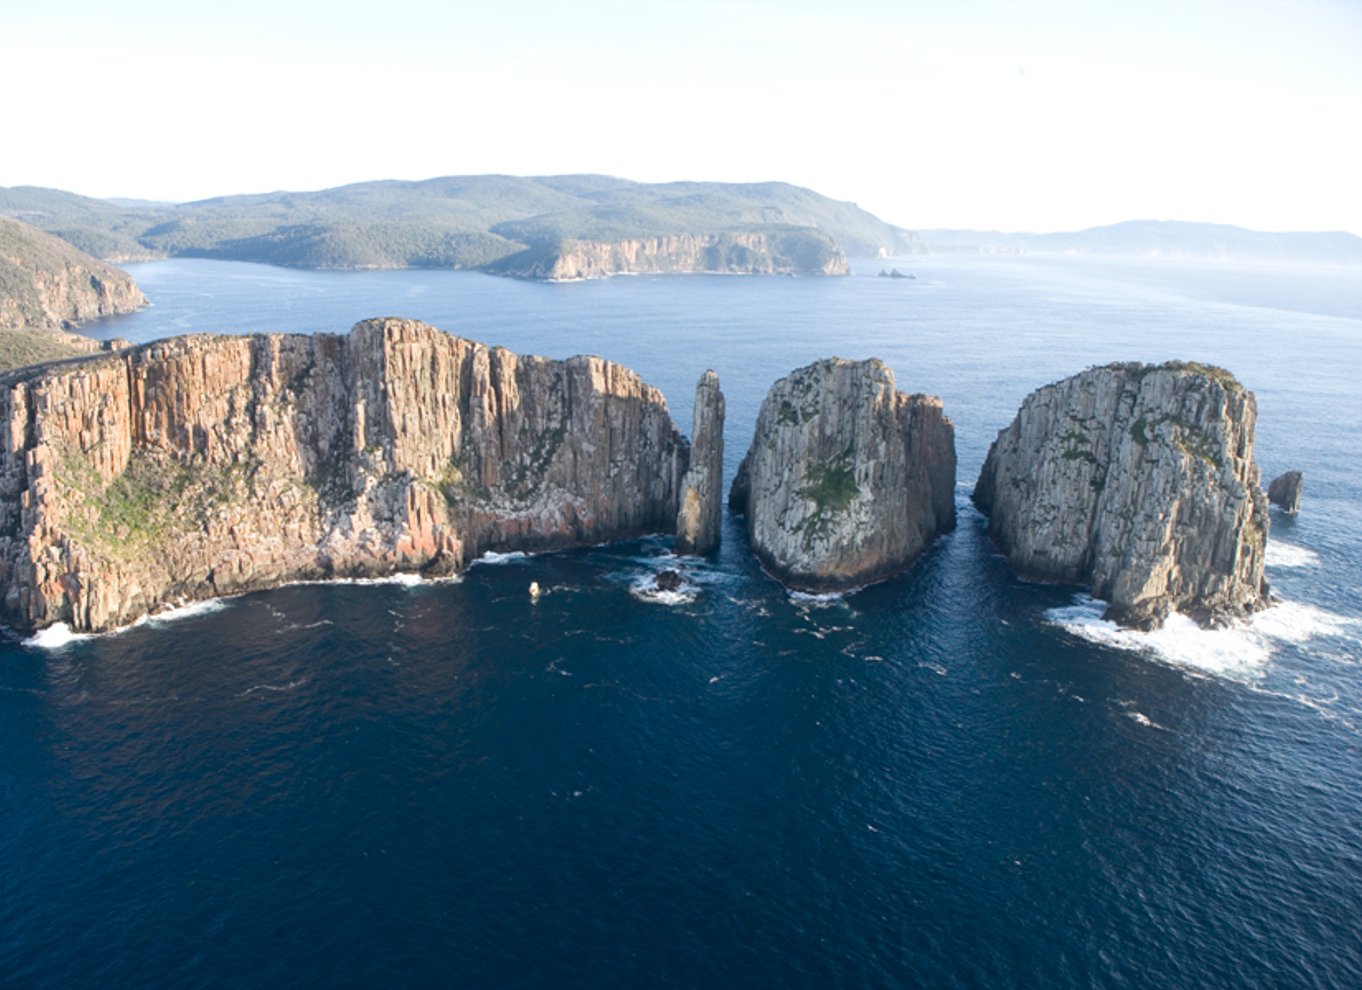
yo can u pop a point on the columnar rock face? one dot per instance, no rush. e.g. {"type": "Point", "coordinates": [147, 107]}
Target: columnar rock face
{"type": "Point", "coordinates": [202, 466]}
{"type": "Point", "coordinates": [45, 282]}
{"type": "Point", "coordinates": [847, 480]}
{"type": "Point", "coordinates": [1138, 481]}
{"type": "Point", "coordinates": [1285, 491]}
{"type": "Point", "coordinates": [697, 520]}
{"type": "Point", "coordinates": [795, 252]}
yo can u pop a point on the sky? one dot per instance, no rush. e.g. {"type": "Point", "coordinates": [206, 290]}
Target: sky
{"type": "Point", "coordinates": [985, 114]}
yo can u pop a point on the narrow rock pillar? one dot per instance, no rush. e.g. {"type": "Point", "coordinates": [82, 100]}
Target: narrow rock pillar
{"type": "Point", "coordinates": [697, 518]}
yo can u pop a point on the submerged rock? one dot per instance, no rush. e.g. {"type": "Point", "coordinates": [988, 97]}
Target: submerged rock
{"type": "Point", "coordinates": [1138, 481]}
{"type": "Point", "coordinates": [668, 580]}
{"type": "Point", "coordinates": [202, 466]}
{"type": "Point", "coordinates": [847, 480]}
{"type": "Point", "coordinates": [698, 518]}
{"type": "Point", "coordinates": [1285, 491]}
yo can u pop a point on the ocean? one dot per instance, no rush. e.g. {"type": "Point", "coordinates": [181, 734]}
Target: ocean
{"type": "Point", "coordinates": [951, 779]}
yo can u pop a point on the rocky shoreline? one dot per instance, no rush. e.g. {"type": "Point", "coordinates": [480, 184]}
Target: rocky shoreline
{"type": "Point", "coordinates": [204, 466]}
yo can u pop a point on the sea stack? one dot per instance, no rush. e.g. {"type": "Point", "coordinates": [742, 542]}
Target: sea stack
{"type": "Point", "coordinates": [847, 480]}
{"type": "Point", "coordinates": [1285, 491]}
{"type": "Point", "coordinates": [202, 466]}
{"type": "Point", "coordinates": [697, 519]}
{"type": "Point", "coordinates": [1139, 482]}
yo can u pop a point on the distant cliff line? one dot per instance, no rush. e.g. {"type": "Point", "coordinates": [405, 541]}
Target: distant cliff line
{"type": "Point", "coordinates": [554, 227]}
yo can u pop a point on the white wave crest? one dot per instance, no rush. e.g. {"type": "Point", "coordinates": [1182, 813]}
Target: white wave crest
{"type": "Point", "coordinates": [1297, 622]}
{"type": "Point", "coordinates": [55, 637]}
{"type": "Point", "coordinates": [177, 612]}
{"type": "Point", "coordinates": [645, 589]}
{"type": "Point", "coordinates": [1289, 555]}
{"type": "Point", "coordinates": [1240, 652]}
{"type": "Point", "coordinates": [492, 557]}
{"type": "Point", "coordinates": [405, 579]}
{"type": "Point", "coordinates": [291, 685]}
{"type": "Point", "coordinates": [59, 634]}
{"type": "Point", "coordinates": [824, 598]}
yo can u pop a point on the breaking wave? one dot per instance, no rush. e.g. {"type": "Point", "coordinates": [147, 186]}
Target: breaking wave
{"type": "Point", "coordinates": [492, 557]}
{"type": "Point", "coordinates": [644, 589]}
{"type": "Point", "coordinates": [55, 637]}
{"type": "Point", "coordinates": [1240, 652]}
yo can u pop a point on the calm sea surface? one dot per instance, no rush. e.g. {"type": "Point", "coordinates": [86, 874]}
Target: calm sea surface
{"type": "Point", "coordinates": [952, 779]}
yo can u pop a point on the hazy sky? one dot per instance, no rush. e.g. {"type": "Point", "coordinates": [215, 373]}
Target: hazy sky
{"type": "Point", "coordinates": [1005, 114]}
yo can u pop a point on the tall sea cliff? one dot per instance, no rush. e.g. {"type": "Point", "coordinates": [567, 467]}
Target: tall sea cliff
{"type": "Point", "coordinates": [201, 466]}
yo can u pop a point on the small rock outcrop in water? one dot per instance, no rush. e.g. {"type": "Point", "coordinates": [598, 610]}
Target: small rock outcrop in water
{"type": "Point", "coordinates": [668, 580]}
{"type": "Point", "coordinates": [1285, 491]}
{"type": "Point", "coordinates": [1138, 481]}
{"type": "Point", "coordinates": [847, 480]}
{"type": "Point", "coordinates": [202, 466]}
{"type": "Point", "coordinates": [697, 520]}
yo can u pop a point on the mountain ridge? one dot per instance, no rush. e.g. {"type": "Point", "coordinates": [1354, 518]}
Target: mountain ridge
{"type": "Point", "coordinates": [478, 221]}
{"type": "Point", "coordinates": [1176, 239]}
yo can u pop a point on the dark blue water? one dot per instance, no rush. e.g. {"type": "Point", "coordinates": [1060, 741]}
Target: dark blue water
{"type": "Point", "coordinates": [952, 779]}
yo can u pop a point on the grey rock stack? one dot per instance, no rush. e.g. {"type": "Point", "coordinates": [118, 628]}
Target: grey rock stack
{"type": "Point", "coordinates": [1138, 481]}
{"type": "Point", "coordinates": [697, 519]}
{"type": "Point", "coordinates": [847, 480]}
{"type": "Point", "coordinates": [1285, 491]}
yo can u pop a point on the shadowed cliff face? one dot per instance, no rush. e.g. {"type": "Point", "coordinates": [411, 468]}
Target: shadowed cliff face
{"type": "Point", "coordinates": [202, 466]}
{"type": "Point", "coordinates": [847, 480]}
{"type": "Point", "coordinates": [1139, 481]}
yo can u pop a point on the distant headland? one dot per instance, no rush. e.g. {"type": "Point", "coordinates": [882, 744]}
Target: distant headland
{"type": "Point", "coordinates": [551, 227]}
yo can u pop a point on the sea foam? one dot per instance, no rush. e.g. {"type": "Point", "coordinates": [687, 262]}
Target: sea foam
{"type": "Point", "coordinates": [1239, 652]}
{"type": "Point", "coordinates": [491, 557]}
{"type": "Point", "coordinates": [1289, 555]}
{"type": "Point", "coordinates": [644, 589]}
{"type": "Point", "coordinates": [54, 637]}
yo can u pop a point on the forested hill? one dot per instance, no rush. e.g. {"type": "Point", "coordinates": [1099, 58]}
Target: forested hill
{"type": "Point", "coordinates": [484, 221]}
{"type": "Point", "coordinates": [46, 287]}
